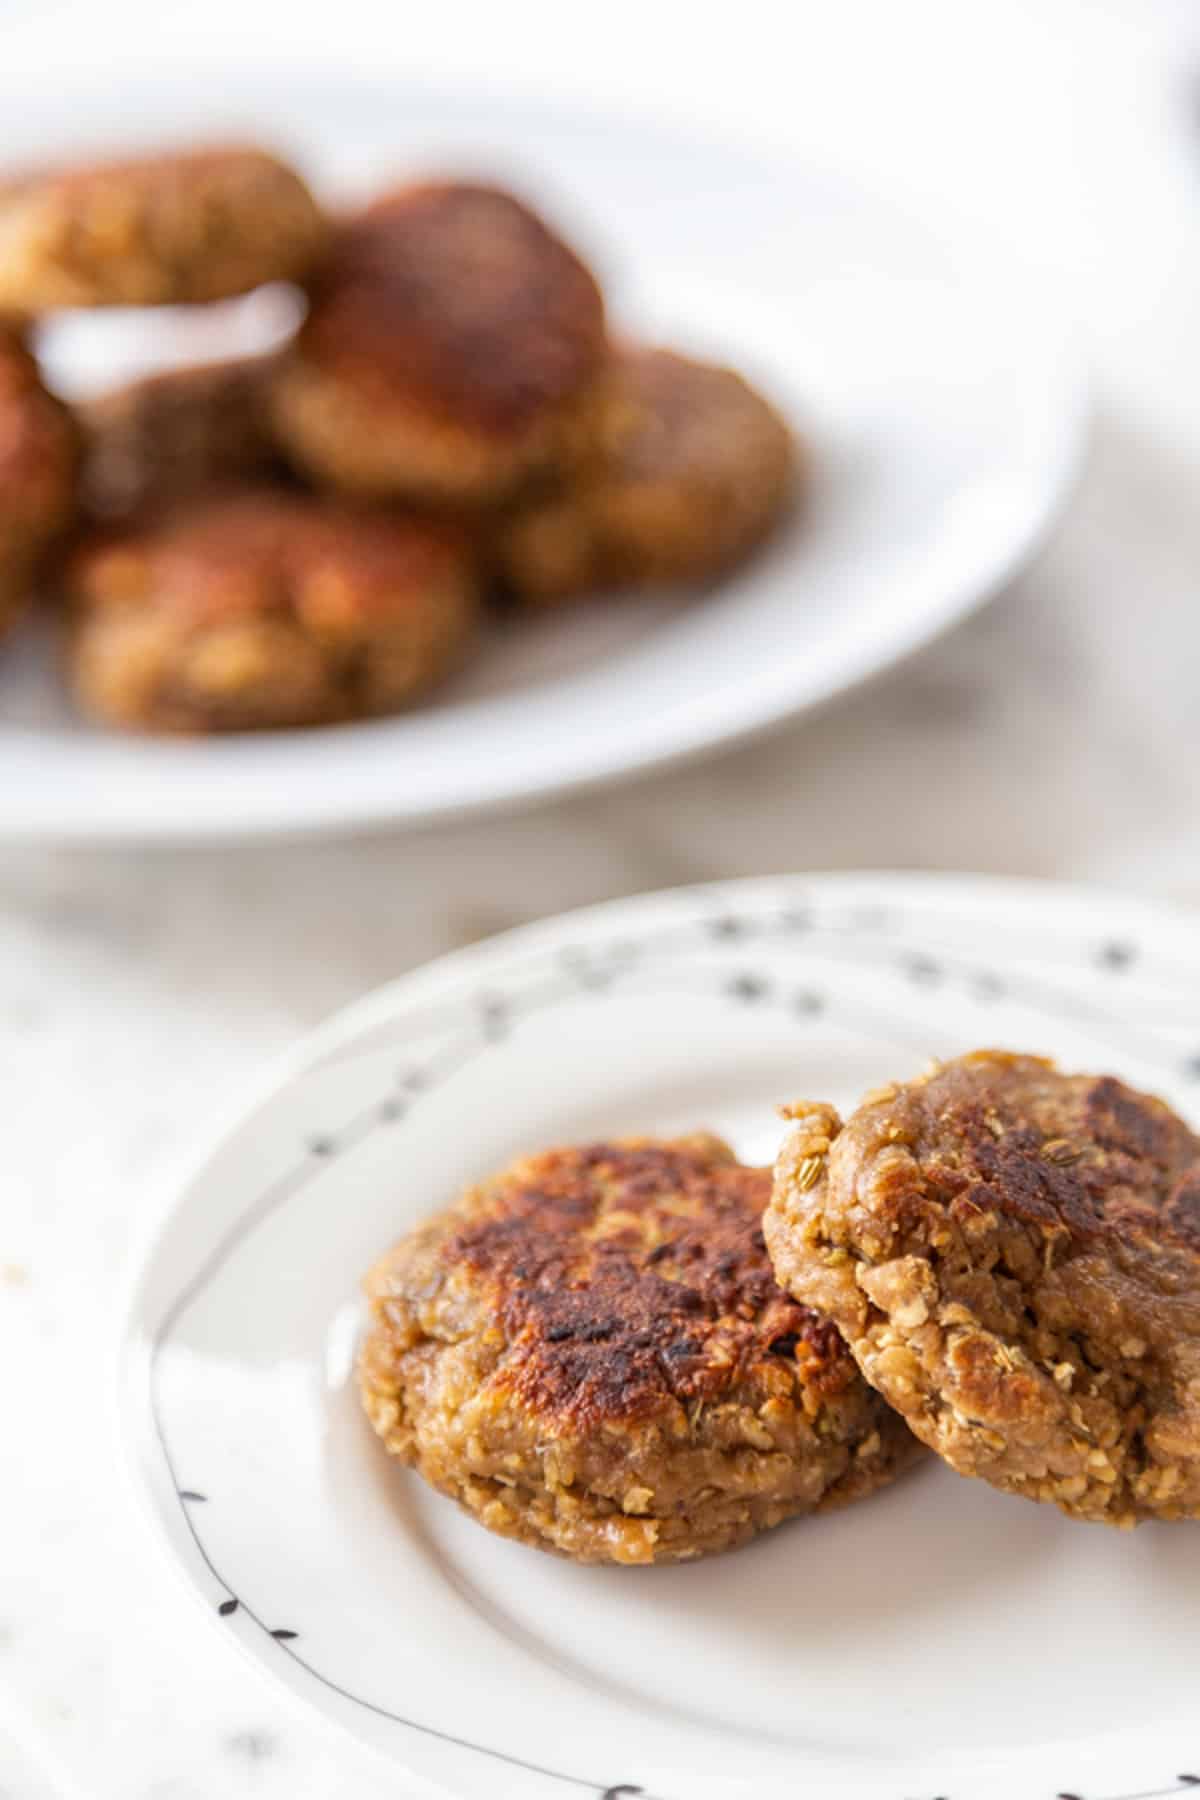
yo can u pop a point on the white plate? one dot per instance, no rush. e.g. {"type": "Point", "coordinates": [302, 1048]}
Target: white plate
{"type": "Point", "coordinates": [939, 1639]}
{"type": "Point", "coordinates": [943, 408]}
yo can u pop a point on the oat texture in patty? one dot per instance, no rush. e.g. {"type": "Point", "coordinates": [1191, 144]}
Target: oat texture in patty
{"type": "Point", "coordinates": [449, 350]}
{"type": "Point", "coordinates": [39, 455]}
{"type": "Point", "coordinates": [176, 227]}
{"type": "Point", "coordinates": [590, 1353]}
{"type": "Point", "coordinates": [1013, 1256]}
{"type": "Point", "coordinates": [686, 470]}
{"type": "Point", "coordinates": [265, 609]}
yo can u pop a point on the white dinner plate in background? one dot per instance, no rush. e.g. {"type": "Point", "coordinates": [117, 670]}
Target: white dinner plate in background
{"type": "Point", "coordinates": [938, 1639]}
{"type": "Point", "coordinates": [937, 394]}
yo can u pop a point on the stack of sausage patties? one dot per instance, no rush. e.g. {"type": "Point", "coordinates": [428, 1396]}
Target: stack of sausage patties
{"type": "Point", "coordinates": [642, 1351]}
{"type": "Point", "coordinates": [309, 535]}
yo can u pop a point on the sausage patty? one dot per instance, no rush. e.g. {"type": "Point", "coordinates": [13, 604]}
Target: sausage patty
{"type": "Point", "coordinates": [176, 227]}
{"type": "Point", "coordinates": [689, 468]}
{"type": "Point", "coordinates": [1013, 1256]}
{"type": "Point", "coordinates": [39, 456]}
{"type": "Point", "coordinates": [266, 609]}
{"type": "Point", "coordinates": [590, 1353]}
{"type": "Point", "coordinates": [448, 350]}
{"type": "Point", "coordinates": [176, 435]}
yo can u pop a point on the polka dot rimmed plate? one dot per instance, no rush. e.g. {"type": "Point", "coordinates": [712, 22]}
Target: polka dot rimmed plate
{"type": "Point", "coordinates": [940, 1639]}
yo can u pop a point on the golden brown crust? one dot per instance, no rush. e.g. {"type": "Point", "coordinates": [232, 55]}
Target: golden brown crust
{"type": "Point", "coordinates": [448, 345]}
{"type": "Point", "coordinates": [182, 227]}
{"type": "Point", "coordinates": [610, 1319]}
{"type": "Point", "coordinates": [1013, 1255]}
{"type": "Point", "coordinates": [266, 609]}
{"type": "Point", "coordinates": [39, 458]}
{"type": "Point", "coordinates": [690, 467]}
{"type": "Point", "coordinates": [590, 1353]}
{"type": "Point", "coordinates": [172, 436]}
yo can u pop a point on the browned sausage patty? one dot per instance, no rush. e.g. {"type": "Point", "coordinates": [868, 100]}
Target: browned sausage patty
{"type": "Point", "coordinates": [447, 351]}
{"type": "Point", "coordinates": [184, 226]}
{"type": "Point", "coordinates": [176, 435]}
{"type": "Point", "coordinates": [39, 456]}
{"type": "Point", "coordinates": [590, 1353]}
{"type": "Point", "coordinates": [266, 609]}
{"type": "Point", "coordinates": [691, 467]}
{"type": "Point", "coordinates": [1013, 1255]}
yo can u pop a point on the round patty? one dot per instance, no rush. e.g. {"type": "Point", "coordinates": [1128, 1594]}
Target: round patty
{"type": "Point", "coordinates": [448, 350]}
{"type": "Point", "coordinates": [1013, 1256]}
{"type": "Point", "coordinates": [590, 1353]}
{"type": "Point", "coordinates": [184, 227]}
{"type": "Point", "coordinates": [691, 468]}
{"type": "Point", "coordinates": [39, 455]}
{"type": "Point", "coordinates": [266, 609]}
{"type": "Point", "coordinates": [172, 436]}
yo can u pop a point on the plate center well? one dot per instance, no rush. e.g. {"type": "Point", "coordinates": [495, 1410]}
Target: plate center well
{"type": "Point", "coordinates": [936, 1612]}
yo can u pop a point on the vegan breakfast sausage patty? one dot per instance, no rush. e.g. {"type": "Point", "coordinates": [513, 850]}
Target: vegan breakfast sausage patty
{"type": "Point", "coordinates": [590, 1353]}
{"type": "Point", "coordinates": [175, 435]}
{"type": "Point", "coordinates": [265, 609]}
{"type": "Point", "coordinates": [449, 348]}
{"type": "Point", "coordinates": [179, 227]}
{"type": "Point", "coordinates": [689, 469]}
{"type": "Point", "coordinates": [39, 455]}
{"type": "Point", "coordinates": [1013, 1256]}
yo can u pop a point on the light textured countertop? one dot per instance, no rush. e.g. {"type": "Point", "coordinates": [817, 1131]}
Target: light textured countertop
{"type": "Point", "coordinates": [1057, 734]}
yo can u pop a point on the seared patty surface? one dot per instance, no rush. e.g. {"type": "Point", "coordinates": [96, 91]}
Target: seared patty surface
{"type": "Point", "coordinates": [590, 1353]}
{"type": "Point", "coordinates": [1013, 1256]}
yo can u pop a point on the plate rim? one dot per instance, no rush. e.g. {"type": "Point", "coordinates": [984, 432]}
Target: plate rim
{"type": "Point", "coordinates": [131, 1406]}
{"type": "Point", "coordinates": [721, 724]}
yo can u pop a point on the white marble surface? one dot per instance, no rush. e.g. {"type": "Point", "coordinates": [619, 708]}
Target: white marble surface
{"type": "Point", "coordinates": [1057, 734]}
